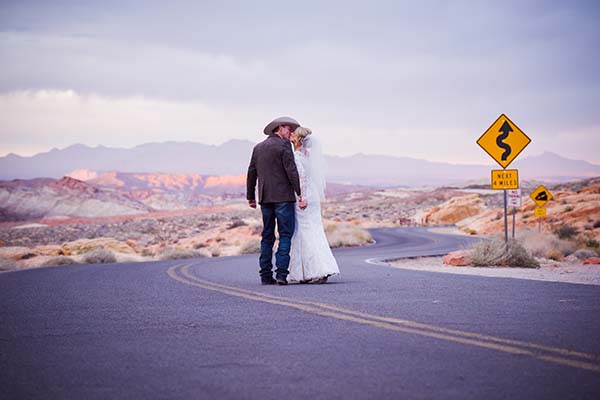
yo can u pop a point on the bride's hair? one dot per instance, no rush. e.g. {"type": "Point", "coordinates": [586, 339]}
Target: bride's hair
{"type": "Point", "coordinates": [302, 132]}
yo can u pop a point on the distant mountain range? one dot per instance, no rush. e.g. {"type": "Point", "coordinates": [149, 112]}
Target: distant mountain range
{"type": "Point", "coordinates": [231, 159]}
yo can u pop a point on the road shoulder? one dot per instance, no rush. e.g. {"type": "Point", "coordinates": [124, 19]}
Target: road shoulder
{"type": "Point", "coordinates": [560, 272]}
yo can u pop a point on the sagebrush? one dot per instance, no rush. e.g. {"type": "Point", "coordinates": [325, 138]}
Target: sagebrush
{"type": "Point", "coordinates": [496, 252]}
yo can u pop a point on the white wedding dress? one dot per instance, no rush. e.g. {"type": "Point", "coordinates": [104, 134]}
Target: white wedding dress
{"type": "Point", "coordinates": [311, 258]}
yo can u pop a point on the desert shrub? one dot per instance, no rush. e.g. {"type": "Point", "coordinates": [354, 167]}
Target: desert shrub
{"type": "Point", "coordinates": [582, 254]}
{"type": "Point", "coordinates": [60, 260]}
{"type": "Point", "coordinates": [568, 208]}
{"type": "Point", "coordinates": [236, 223]}
{"type": "Point", "coordinates": [554, 254]}
{"type": "Point", "coordinates": [597, 224]}
{"type": "Point", "coordinates": [6, 265]}
{"type": "Point", "coordinates": [99, 256]}
{"type": "Point", "coordinates": [495, 252]}
{"type": "Point", "coordinates": [592, 243]}
{"type": "Point", "coordinates": [250, 247]}
{"type": "Point", "coordinates": [147, 253]}
{"type": "Point", "coordinates": [345, 235]}
{"type": "Point", "coordinates": [588, 227]}
{"type": "Point", "coordinates": [565, 231]}
{"type": "Point", "coordinates": [541, 244]}
{"type": "Point", "coordinates": [176, 253]}
{"type": "Point", "coordinates": [526, 216]}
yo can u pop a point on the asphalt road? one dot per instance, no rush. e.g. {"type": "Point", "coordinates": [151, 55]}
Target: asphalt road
{"type": "Point", "coordinates": [206, 329]}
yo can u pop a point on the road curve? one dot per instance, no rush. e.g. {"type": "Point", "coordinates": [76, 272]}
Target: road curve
{"type": "Point", "coordinates": [205, 328]}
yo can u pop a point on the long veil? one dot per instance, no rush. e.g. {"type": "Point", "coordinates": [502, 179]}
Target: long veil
{"type": "Point", "coordinates": [317, 167]}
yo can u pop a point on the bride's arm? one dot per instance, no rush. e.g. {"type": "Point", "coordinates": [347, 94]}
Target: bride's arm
{"type": "Point", "coordinates": [303, 182]}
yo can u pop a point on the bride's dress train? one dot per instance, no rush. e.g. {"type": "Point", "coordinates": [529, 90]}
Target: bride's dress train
{"type": "Point", "coordinates": [311, 258]}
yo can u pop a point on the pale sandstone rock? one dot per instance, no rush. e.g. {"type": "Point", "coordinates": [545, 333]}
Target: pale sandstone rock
{"type": "Point", "coordinates": [49, 250]}
{"type": "Point", "coordinates": [15, 253]}
{"type": "Point", "coordinates": [460, 258]}
{"type": "Point", "coordinates": [455, 210]}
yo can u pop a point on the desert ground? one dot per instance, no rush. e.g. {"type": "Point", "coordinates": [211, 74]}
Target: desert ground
{"type": "Point", "coordinates": [568, 237]}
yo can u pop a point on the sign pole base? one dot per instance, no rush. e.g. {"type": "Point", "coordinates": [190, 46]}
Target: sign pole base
{"type": "Point", "coordinates": [513, 228]}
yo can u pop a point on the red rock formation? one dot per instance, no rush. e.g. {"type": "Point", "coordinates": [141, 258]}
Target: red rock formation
{"type": "Point", "coordinates": [460, 258]}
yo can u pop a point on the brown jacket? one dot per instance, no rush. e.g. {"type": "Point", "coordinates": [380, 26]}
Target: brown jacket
{"type": "Point", "coordinates": [273, 165]}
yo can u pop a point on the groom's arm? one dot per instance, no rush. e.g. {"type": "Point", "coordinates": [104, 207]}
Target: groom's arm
{"type": "Point", "coordinates": [251, 182]}
{"type": "Point", "coordinates": [290, 168]}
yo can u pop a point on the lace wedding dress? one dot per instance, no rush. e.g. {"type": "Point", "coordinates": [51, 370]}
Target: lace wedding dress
{"type": "Point", "coordinates": [311, 258]}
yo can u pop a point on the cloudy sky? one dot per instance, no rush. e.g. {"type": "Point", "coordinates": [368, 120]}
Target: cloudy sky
{"type": "Point", "coordinates": [418, 78]}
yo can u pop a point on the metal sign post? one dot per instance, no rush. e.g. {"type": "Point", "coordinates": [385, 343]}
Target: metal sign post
{"type": "Point", "coordinates": [514, 201]}
{"type": "Point", "coordinates": [505, 218]}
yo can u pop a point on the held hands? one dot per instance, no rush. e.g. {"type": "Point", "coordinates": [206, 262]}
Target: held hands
{"type": "Point", "coordinates": [302, 203]}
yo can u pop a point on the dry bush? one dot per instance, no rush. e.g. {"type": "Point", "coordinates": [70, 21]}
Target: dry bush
{"type": "Point", "coordinates": [345, 235]}
{"type": "Point", "coordinates": [176, 253]}
{"type": "Point", "coordinates": [555, 254]}
{"type": "Point", "coordinates": [582, 254]}
{"type": "Point", "coordinates": [7, 265]}
{"type": "Point", "coordinates": [146, 252]}
{"type": "Point", "coordinates": [566, 231]}
{"type": "Point", "coordinates": [596, 224]}
{"type": "Point", "coordinates": [545, 244]}
{"type": "Point", "coordinates": [99, 256]}
{"type": "Point", "coordinates": [494, 252]}
{"type": "Point", "coordinates": [251, 246]}
{"type": "Point", "coordinates": [236, 223]}
{"type": "Point", "coordinates": [592, 243]}
{"type": "Point", "coordinates": [60, 260]}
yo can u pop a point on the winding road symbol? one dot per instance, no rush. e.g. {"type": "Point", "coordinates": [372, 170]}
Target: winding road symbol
{"type": "Point", "coordinates": [503, 141]}
{"type": "Point", "coordinates": [505, 129]}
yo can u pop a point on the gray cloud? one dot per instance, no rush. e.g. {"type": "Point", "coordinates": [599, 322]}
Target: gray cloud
{"type": "Point", "coordinates": [398, 69]}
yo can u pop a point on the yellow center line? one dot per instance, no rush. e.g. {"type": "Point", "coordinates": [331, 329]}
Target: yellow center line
{"type": "Point", "coordinates": [181, 273]}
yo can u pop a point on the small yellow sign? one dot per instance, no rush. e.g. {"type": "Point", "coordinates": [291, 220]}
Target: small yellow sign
{"type": "Point", "coordinates": [503, 179]}
{"type": "Point", "coordinates": [540, 212]}
{"type": "Point", "coordinates": [541, 196]}
{"type": "Point", "coordinates": [503, 141]}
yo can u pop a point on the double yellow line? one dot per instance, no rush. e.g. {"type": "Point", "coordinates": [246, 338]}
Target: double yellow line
{"type": "Point", "coordinates": [556, 355]}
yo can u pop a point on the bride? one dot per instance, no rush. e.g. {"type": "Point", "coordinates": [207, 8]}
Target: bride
{"type": "Point", "coordinates": [311, 259]}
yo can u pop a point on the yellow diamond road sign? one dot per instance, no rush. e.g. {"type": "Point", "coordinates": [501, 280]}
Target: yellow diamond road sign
{"type": "Point", "coordinates": [503, 141]}
{"type": "Point", "coordinates": [541, 196]}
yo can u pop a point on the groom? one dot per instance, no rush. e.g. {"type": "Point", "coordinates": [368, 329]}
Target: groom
{"type": "Point", "coordinates": [273, 165]}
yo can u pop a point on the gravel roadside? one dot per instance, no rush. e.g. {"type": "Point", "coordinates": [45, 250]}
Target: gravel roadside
{"type": "Point", "coordinates": [551, 271]}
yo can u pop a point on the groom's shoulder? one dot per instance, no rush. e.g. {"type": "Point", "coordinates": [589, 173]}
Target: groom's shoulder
{"type": "Point", "coordinates": [270, 142]}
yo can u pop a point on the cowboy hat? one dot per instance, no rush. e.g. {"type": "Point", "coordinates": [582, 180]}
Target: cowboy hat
{"type": "Point", "coordinates": [277, 122]}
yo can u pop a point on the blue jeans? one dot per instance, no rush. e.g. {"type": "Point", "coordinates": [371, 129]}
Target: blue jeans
{"type": "Point", "coordinates": [283, 215]}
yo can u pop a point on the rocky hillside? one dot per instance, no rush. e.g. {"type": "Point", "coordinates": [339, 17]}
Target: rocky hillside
{"type": "Point", "coordinates": [90, 194]}
{"type": "Point", "coordinates": [576, 205]}
{"type": "Point", "coordinates": [37, 198]}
